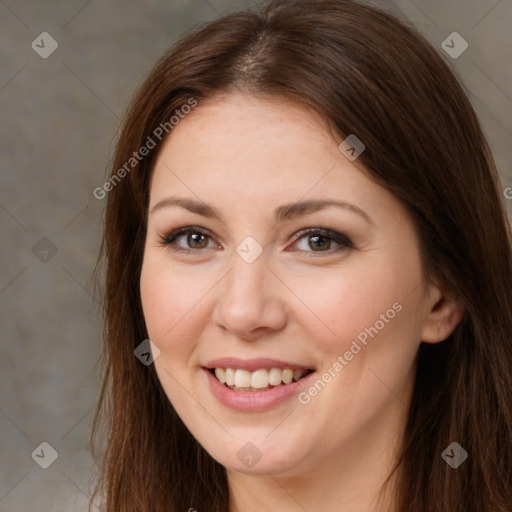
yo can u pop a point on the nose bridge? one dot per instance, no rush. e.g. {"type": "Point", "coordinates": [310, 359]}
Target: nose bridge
{"type": "Point", "coordinates": [249, 268]}
{"type": "Point", "coordinates": [248, 299]}
{"type": "Point", "coordinates": [245, 284]}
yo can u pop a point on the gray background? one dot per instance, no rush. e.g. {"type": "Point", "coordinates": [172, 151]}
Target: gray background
{"type": "Point", "coordinates": [60, 117]}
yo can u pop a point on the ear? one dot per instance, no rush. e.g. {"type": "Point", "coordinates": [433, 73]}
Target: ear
{"type": "Point", "coordinates": [442, 315]}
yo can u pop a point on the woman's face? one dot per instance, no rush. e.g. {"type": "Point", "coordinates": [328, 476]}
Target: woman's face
{"type": "Point", "coordinates": [252, 293]}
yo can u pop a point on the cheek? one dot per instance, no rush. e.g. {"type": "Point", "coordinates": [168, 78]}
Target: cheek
{"type": "Point", "coordinates": [374, 320]}
{"type": "Point", "coordinates": [170, 306]}
{"type": "Point", "coordinates": [344, 303]}
{"type": "Point", "coordinates": [168, 299]}
{"type": "Point", "coordinates": [370, 316]}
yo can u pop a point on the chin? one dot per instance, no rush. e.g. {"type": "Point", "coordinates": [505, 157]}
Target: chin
{"type": "Point", "coordinates": [256, 458]}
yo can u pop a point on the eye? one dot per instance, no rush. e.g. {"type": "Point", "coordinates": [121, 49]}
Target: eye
{"type": "Point", "coordinates": [194, 237]}
{"type": "Point", "coordinates": [320, 240]}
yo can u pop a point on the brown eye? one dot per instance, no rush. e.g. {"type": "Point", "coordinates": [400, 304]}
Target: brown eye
{"type": "Point", "coordinates": [195, 239]}
{"type": "Point", "coordinates": [321, 240]}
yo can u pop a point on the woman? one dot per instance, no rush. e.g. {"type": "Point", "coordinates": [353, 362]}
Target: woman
{"type": "Point", "coordinates": [372, 374]}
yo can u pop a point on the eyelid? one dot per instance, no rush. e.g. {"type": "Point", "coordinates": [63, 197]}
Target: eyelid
{"type": "Point", "coordinates": [171, 237]}
{"type": "Point", "coordinates": [343, 241]}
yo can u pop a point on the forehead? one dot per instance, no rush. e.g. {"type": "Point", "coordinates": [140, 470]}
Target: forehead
{"type": "Point", "coordinates": [260, 152]}
{"type": "Point", "coordinates": [249, 125]}
{"type": "Point", "coordinates": [239, 136]}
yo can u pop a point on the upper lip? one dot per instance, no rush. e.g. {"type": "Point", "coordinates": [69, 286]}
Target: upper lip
{"type": "Point", "coordinates": [252, 365]}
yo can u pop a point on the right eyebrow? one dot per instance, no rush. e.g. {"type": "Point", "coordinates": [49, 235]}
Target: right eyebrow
{"type": "Point", "coordinates": [282, 213]}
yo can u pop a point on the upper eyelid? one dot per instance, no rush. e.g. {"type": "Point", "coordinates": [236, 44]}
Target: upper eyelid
{"type": "Point", "coordinates": [330, 233]}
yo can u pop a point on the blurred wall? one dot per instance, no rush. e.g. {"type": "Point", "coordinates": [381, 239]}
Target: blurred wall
{"type": "Point", "coordinates": [60, 112]}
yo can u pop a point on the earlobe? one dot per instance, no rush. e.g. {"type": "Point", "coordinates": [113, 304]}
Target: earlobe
{"type": "Point", "coordinates": [443, 317]}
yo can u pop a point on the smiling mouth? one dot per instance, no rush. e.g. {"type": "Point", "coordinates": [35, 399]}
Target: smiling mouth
{"type": "Point", "coordinates": [259, 380]}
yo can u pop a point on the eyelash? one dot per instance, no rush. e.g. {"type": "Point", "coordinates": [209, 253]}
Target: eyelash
{"type": "Point", "coordinates": [344, 242]}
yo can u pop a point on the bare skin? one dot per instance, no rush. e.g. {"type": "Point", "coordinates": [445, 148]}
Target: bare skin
{"type": "Point", "coordinates": [303, 299]}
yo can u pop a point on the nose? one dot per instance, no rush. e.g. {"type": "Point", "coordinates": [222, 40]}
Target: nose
{"type": "Point", "coordinates": [249, 303]}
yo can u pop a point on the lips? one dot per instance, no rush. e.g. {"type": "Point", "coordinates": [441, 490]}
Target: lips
{"type": "Point", "coordinates": [255, 400]}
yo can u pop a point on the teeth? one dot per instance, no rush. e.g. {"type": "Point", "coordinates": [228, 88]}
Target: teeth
{"type": "Point", "coordinates": [220, 373]}
{"type": "Point", "coordinates": [297, 374]}
{"type": "Point", "coordinates": [230, 376]}
{"type": "Point", "coordinates": [259, 379]}
{"type": "Point", "coordinates": [244, 380]}
{"type": "Point", "coordinates": [274, 376]}
{"type": "Point", "coordinates": [287, 376]}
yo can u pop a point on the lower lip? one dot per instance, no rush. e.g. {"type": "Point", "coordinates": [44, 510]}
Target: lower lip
{"type": "Point", "coordinates": [254, 401]}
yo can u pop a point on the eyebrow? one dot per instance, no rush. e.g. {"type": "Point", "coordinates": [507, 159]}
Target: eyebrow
{"type": "Point", "coordinates": [282, 213]}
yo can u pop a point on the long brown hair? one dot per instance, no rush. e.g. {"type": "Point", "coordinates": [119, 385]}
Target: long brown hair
{"type": "Point", "coordinates": [369, 74]}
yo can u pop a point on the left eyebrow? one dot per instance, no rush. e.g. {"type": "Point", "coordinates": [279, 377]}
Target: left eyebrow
{"type": "Point", "coordinates": [293, 210]}
{"type": "Point", "coordinates": [282, 213]}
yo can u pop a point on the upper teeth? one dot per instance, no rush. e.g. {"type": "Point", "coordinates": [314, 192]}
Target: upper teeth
{"type": "Point", "coordinates": [259, 379]}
